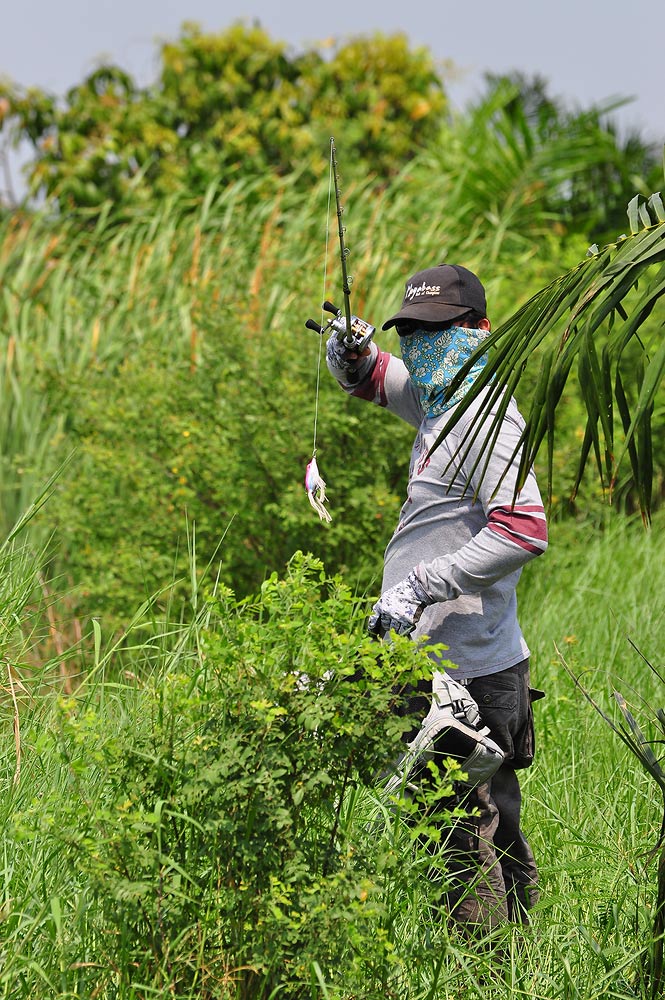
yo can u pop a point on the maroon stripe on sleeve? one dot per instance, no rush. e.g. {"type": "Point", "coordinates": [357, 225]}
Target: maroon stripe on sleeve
{"type": "Point", "coordinates": [526, 526]}
{"type": "Point", "coordinates": [374, 388]}
{"type": "Point", "coordinates": [522, 542]}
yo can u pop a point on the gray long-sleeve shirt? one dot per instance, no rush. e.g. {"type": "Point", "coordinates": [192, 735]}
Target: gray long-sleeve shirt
{"type": "Point", "coordinates": [463, 531]}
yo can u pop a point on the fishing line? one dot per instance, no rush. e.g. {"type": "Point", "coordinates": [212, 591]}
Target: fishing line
{"type": "Point", "coordinates": [352, 333]}
{"type": "Point", "coordinates": [323, 296]}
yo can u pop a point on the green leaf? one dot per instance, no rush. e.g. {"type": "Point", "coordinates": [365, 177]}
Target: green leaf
{"type": "Point", "coordinates": [641, 747]}
{"type": "Point", "coordinates": [633, 212]}
{"type": "Point", "coordinates": [645, 217]}
{"type": "Point", "coordinates": [656, 204]}
{"type": "Point", "coordinates": [653, 376]}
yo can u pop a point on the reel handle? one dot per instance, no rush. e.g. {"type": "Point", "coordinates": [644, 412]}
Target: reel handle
{"type": "Point", "coordinates": [313, 325]}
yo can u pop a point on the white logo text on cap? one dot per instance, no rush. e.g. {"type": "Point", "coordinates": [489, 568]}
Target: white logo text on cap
{"type": "Point", "coordinates": [416, 291]}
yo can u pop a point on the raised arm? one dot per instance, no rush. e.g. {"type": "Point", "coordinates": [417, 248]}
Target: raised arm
{"type": "Point", "coordinates": [376, 376]}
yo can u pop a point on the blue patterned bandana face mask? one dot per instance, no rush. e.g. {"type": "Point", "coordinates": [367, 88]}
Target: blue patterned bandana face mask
{"type": "Point", "coordinates": [433, 358]}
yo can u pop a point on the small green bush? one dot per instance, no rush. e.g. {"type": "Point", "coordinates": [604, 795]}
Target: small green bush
{"type": "Point", "coordinates": [164, 449]}
{"type": "Point", "coordinates": [207, 811]}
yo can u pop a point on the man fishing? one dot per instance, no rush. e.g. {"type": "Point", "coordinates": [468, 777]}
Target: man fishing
{"type": "Point", "coordinates": [453, 564]}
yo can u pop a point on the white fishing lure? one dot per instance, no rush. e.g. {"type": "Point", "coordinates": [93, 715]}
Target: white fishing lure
{"type": "Point", "coordinates": [316, 489]}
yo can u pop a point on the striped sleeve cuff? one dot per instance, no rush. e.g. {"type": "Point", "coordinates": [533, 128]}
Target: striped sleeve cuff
{"type": "Point", "coordinates": [525, 525]}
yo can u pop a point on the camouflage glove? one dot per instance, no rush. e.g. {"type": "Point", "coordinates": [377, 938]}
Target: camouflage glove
{"type": "Point", "coordinates": [346, 366]}
{"type": "Point", "coordinates": [399, 608]}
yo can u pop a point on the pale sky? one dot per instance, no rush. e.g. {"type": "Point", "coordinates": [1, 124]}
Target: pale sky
{"type": "Point", "coordinates": [589, 50]}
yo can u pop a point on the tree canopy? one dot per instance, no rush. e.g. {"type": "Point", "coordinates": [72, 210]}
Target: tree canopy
{"type": "Point", "coordinates": [224, 106]}
{"type": "Point", "coordinates": [239, 104]}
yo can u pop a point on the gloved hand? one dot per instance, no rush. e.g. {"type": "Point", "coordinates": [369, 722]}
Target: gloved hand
{"type": "Point", "coordinates": [400, 607]}
{"type": "Point", "coordinates": [346, 365]}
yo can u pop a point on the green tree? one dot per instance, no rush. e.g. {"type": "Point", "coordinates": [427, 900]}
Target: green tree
{"type": "Point", "coordinates": [518, 161]}
{"type": "Point", "coordinates": [592, 199]}
{"type": "Point", "coordinates": [232, 104]}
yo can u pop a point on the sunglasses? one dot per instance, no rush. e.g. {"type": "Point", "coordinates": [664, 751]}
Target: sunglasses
{"type": "Point", "coordinates": [407, 327]}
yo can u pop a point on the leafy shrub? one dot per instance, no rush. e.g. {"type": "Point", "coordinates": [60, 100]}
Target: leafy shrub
{"type": "Point", "coordinates": [164, 451]}
{"type": "Point", "coordinates": [207, 812]}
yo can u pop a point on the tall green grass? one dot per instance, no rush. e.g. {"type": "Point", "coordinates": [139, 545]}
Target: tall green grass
{"type": "Point", "coordinates": [590, 813]}
{"type": "Point", "coordinates": [249, 257]}
{"type": "Point", "coordinates": [175, 340]}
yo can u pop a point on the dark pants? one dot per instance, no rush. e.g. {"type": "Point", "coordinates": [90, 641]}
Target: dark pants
{"type": "Point", "coordinates": [490, 872]}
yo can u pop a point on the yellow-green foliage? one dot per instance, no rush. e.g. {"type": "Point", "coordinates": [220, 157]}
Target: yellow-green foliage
{"type": "Point", "coordinates": [228, 105]}
{"type": "Point", "coordinates": [208, 823]}
{"type": "Point", "coordinates": [210, 844]}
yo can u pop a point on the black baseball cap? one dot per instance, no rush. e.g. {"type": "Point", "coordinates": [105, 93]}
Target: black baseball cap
{"type": "Point", "coordinates": [440, 294]}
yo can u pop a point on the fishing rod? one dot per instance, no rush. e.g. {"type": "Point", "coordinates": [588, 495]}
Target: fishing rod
{"type": "Point", "coordinates": [351, 331]}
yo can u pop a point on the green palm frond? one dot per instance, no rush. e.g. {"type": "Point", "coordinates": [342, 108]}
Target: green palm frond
{"type": "Point", "coordinates": [599, 321]}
